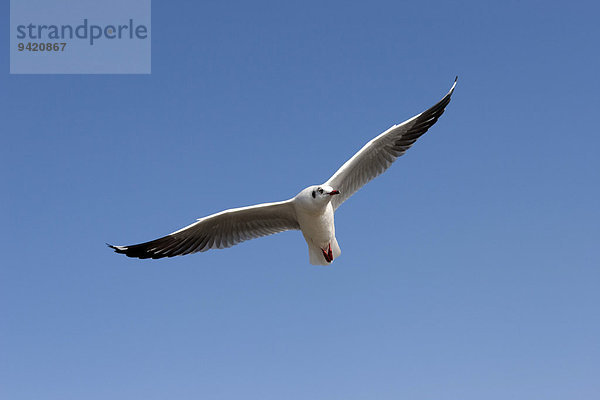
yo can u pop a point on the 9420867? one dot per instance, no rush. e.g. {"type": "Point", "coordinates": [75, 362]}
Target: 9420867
{"type": "Point", "coordinates": [35, 46]}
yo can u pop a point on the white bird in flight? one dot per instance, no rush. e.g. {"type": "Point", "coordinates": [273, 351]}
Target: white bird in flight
{"type": "Point", "coordinates": [311, 210]}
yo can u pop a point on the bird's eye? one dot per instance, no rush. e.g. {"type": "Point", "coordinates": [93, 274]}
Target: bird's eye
{"type": "Point", "coordinates": [314, 195]}
{"type": "Point", "coordinates": [320, 190]}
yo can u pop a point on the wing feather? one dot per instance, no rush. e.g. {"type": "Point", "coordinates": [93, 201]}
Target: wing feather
{"type": "Point", "coordinates": [218, 231]}
{"type": "Point", "coordinates": [377, 155]}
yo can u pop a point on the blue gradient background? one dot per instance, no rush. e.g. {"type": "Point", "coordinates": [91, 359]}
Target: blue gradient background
{"type": "Point", "coordinates": [470, 270]}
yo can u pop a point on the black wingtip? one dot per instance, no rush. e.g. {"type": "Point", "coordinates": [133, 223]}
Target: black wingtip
{"type": "Point", "coordinates": [117, 249]}
{"type": "Point", "coordinates": [451, 91]}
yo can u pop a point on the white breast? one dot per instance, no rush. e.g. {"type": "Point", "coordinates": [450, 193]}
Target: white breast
{"type": "Point", "coordinates": [318, 227]}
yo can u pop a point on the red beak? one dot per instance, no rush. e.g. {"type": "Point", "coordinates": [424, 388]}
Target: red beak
{"type": "Point", "coordinates": [333, 192]}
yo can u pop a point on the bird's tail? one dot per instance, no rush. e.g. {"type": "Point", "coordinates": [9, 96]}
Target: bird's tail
{"type": "Point", "coordinates": [315, 252]}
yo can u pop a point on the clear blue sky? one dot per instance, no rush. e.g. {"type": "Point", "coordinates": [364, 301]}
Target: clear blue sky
{"type": "Point", "coordinates": [470, 270]}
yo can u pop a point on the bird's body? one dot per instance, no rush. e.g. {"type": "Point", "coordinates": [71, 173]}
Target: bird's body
{"type": "Point", "coordinates": [316, 220]}
{"type": "Point", "coordinates": [311, 211]}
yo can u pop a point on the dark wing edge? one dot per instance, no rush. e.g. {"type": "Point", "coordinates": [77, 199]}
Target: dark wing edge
{"type": "Point", "coordinates": [218, 231]}
{"type": "Point", "coordinates": [377, 155]}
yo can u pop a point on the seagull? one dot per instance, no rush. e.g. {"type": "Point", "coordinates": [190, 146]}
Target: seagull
{"type": "Point", "coordinates": [310, 211]}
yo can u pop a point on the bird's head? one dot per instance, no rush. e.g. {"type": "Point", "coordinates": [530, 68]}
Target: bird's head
{"type": "Point", "coordinates": [316, 197]}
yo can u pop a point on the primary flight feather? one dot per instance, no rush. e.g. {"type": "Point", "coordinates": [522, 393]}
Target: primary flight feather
{"type": "Point", "coordinates": [311, 210]}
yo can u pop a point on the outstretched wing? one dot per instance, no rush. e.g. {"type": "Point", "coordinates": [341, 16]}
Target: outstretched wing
{"type": "Point", "coordinates": [377, 155]}
{"type": "Point", "coordinates": [219, 231]}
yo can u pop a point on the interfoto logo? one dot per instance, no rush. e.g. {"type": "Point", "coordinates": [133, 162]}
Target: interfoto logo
{"type": "Point", "coordinates": [54, 36]}
{"type": "Point", "coordinates": [85, 31]}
